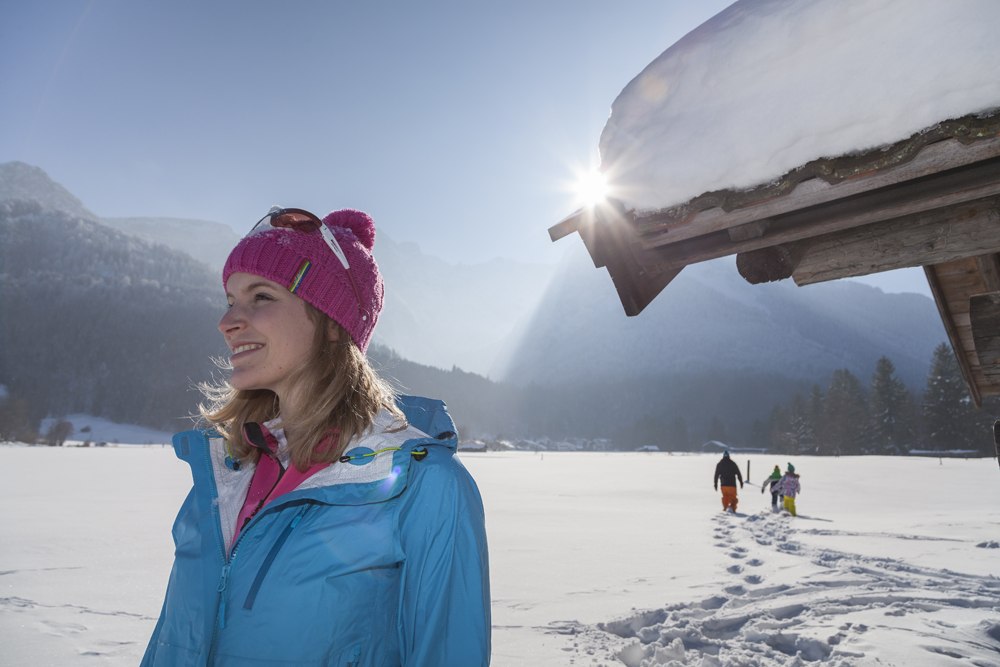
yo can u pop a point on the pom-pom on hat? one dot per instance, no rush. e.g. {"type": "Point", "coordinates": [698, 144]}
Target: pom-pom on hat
{"type": "Point", "coordinates": [304, 263]}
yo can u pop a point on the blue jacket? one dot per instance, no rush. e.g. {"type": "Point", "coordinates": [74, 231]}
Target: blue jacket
{"type": "Point", "coordinates": [380, 561]}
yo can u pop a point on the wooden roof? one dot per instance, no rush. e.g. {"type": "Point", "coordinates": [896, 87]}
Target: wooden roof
{"type": "Point", "coordinates": [932, 200]}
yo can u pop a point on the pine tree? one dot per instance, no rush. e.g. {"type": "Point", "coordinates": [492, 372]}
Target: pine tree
{"type": "Point", "coordinates": [780, 430]}
{"type": "Point", "coordinates": [759, 436]}
{"type": "Point", "coordinates": [678, 438]}
{"type": "Point", "coordinates": [846, 415]}
{"type": "Point", "coordinates": [817, 418]}
{"type": "Point", "coordinates": [947, 407]}
{"type": "Point", "coordinates": [891, 410]}
{"type": "Point", "coordinates": [801, 423]}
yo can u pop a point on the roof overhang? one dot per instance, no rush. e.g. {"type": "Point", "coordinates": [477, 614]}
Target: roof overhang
{"type": "Point", "coordinates": [932, 200]}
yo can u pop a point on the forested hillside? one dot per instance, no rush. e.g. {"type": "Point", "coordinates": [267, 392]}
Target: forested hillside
{"type": "Point", "coordinates": [99, 322]}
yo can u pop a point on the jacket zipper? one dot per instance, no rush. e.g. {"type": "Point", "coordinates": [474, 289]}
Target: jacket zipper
{"type": "Point", "coordinates": [224, 578]}
{"type": "Point", "coordinates": [227, 566]}
{"type": "Point", "coordinates": [271, 555]}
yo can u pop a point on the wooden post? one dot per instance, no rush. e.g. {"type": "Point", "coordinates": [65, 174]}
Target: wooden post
{"type": "Point", "coordinates": [996, 438]}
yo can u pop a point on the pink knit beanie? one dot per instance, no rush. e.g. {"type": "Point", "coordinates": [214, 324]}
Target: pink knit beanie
{"type": "Point", "coordinates": [305, 264]}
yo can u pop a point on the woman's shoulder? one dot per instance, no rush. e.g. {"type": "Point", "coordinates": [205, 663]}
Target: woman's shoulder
{"type": "Point", "coordinates": [389, 430]}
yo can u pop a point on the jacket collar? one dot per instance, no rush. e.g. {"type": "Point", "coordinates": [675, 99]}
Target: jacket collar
{"type": "Point", "coordinates": [363, 480]}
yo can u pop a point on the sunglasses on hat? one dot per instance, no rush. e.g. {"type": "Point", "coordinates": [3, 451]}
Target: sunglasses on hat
{"type": "Point", "coordinates": [301, 220]}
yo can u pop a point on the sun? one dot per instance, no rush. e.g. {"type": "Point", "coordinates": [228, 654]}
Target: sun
{"type": "Point", "coordinates": [591, 188]}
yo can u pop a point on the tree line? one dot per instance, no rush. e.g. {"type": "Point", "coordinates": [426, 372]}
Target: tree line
{"type": "Point", "coordinates": [882, 417]}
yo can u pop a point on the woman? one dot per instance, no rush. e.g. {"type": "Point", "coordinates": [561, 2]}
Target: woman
{"type": "Point", "coordinates": [329, 522]}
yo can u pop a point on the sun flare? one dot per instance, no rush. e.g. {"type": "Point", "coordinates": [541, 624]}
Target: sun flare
{"type": "Point", "coordinates": [591, 188]}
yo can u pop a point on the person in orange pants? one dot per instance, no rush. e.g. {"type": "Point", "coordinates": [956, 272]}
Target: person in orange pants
{"type": "Point", "coordinates": [729, 499]}
{"type": "Point", "coordinates": [727, 472]}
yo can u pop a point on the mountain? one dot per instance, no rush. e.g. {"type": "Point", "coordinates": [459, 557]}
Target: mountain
{"type": "Point", "coordinates": [710, 352]}
{"type": "Point", "coordinates": [206, 241]}
{"type": "Point", "coordinates": [448, 314]}
{"type": "Point", "coordinates": [98, 322]}
{"type": "Point", "coordinates": [25, 182]}
{"type": "Point", "coordinates": [710, 319]}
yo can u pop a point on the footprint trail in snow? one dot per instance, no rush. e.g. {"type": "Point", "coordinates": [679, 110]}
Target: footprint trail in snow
{"type": "Point", "coordinates": [784, 601]}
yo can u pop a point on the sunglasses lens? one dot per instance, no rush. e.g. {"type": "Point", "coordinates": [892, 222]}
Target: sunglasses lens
{"type": "Point", "coordinates": [301, 221]}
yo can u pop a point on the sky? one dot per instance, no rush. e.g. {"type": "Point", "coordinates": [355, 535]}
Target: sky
{"type": "Point", "coordinates": [615, 559]}
{"type": "Point", "coordinates": [458, 125]}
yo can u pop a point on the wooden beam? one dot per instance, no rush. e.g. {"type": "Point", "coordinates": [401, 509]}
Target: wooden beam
{"type": "Point", "coordinates": [984, 312]}
{"type": "Point", "coordinates": [989, 268]}
{"type": "Point", "coordinates": [567, 225]}
{"type": "Point", "coordinates": [950, 328]}
{"type": "Point", "coordinates": [637, 290]}
{"type": "Point", "coordinates": [609, 236]}
{"type": "Point", "coordinates": [951, 188]}
{"type": "Point", "coordinates": [769, 264]}
{"type": "Point", "coordinates": [678, 224]}
{"type": "Point", "coordinates": [930, 237]}
{"type": "Point", "coordinates": [751, 230]}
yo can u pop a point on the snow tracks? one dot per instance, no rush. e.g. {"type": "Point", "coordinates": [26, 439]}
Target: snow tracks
{"type": "Point", "coordinates": [783, 600]}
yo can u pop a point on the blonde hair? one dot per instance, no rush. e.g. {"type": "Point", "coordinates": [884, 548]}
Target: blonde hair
{"type": "Point", "coordinates": [341, 389]}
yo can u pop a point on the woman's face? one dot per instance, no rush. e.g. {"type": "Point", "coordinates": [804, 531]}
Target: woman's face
{"type": "Point", "coordinates": [269, 333]}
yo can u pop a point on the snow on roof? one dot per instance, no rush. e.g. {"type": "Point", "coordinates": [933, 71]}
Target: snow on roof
{"type": "Point", "coordinates": [768, 85]}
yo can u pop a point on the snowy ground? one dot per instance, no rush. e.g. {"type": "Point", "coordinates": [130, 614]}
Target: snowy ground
{"type": "Point", "coordinates": [87, 428]}
{"type": "Point", "coordinates": [597, 559]}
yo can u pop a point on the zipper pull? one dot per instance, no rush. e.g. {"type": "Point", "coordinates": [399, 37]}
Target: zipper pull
{"type": "Point", "coordinates": [223, 582]}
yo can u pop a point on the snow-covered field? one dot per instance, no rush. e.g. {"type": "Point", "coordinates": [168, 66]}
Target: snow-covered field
{"type": "Point", "coordinates": [597, 559]}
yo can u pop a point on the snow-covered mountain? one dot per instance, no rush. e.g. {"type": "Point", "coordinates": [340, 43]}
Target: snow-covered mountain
{"type": "Point", "coordinates": [710, 319]}
{"type": "Point", "coordinates": [27, 182]}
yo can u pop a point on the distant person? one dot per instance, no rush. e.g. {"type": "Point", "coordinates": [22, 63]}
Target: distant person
{"type": "Point", "coordinates": [789, 487]}
{"type": "Point", "coordinates": [329, 522]}
{"type": "Point", "coordinates": [770, 483]}
{"type": "Point", "coordinates": [727, 472]}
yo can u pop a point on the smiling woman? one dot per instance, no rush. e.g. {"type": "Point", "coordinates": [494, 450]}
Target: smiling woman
{"type": "Point", "coordinates": [329, 522]}
{"type": "Point", "coordinates": [269, 332]}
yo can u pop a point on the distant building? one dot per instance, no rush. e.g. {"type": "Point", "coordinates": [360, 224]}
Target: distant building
{"type": "Point", "coordinates": [718, 446]}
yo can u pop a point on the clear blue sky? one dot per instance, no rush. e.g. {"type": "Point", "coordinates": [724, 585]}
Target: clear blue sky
{"type": "Point", "coordinates": [455, 124]}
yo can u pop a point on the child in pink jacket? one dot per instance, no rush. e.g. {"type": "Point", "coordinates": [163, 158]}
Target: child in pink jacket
{"type": "Point", "coordinates": [789, 487]}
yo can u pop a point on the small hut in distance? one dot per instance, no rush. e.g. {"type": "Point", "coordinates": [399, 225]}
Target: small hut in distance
{"type": "Point", "coordinates": [815, 145]}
